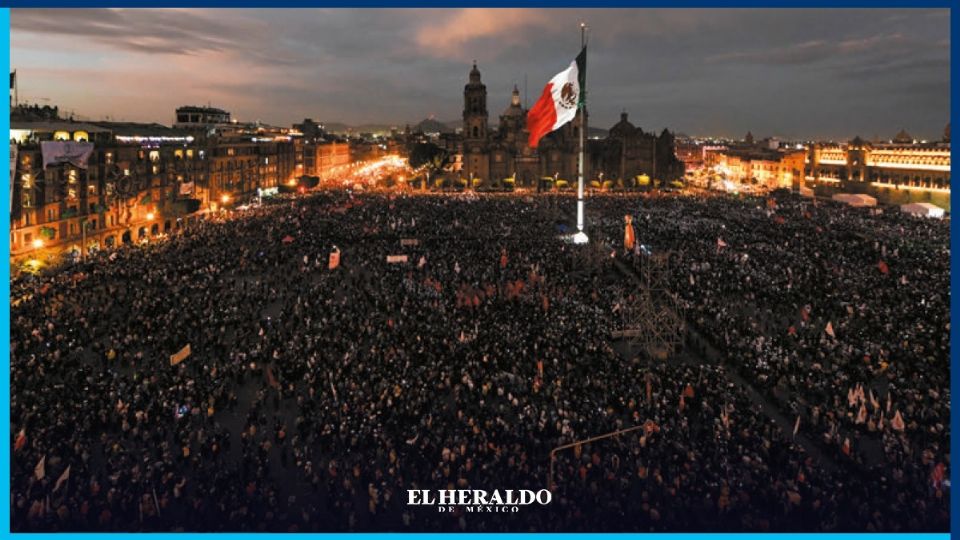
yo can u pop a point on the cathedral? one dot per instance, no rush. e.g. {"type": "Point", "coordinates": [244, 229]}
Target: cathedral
{"type": "Point", "coordinates": [493, 154]}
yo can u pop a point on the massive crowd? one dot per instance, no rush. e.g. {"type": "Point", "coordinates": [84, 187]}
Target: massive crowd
{"type": "Point", "coordinates": [314, 397]}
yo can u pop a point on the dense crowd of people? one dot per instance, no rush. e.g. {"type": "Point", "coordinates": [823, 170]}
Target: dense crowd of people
{"type": "Point", "coordinates": [453, 341]}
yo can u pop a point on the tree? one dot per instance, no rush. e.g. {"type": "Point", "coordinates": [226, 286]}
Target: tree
{"type": "Point", "coordinates": [430, 156]}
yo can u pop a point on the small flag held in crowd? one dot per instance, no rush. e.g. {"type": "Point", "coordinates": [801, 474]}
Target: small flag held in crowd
{"type": "Point", "coordinates": [629, 237]}
{"type": "Point", "coordinates": [40, 471]}
{"type": "Point", "coordinates": [271, 380]}
{"type": "Point", "coordinates": [180, 355]}
{"type": "Point", "coordinates": [897, 422]}
{"type": "Point", "coordinates": [720, 244]}
{"type": "Point", "coordinates": [829, 330]}
{"type": "Point", "coordinates": [21, 440]}
{"type": "Point", "coordinates": [334, 261]}
{"type": "Point", "coordinates": [63, 478]}
{"type": "Point", "coordinates": [861, 415]}
{"type": "Point", "coordinates": [884, 269]}
{"type": "Point", "coordinates": [796, 426]}
{"type": "Point", "coordinates": [937, 475]}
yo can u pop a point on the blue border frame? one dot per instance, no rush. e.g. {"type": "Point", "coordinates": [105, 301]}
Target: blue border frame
{"type": "Point", "coordinates": [5, 226]}
{"type": "Point", "coordinates": [887, 4]}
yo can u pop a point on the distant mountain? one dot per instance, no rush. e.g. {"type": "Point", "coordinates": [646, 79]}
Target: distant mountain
{"type": "Point", "coordinates": [341, 128]}
{"type": "Point", "coordinates": [431, 125]}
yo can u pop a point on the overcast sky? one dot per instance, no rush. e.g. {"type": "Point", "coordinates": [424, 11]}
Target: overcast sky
{"type": "Point", "coordinates": [789, 73]}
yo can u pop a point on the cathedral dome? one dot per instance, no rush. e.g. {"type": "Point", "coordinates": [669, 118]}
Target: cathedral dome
{"type": "Point", "coordinates": [514, 110]}
{"type": "Point", "coordinates": [903, 137]}
{"type": "Point", "coordinates": [623, 128]}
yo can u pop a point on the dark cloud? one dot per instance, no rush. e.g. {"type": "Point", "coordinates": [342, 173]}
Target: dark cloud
{"type": "Point", "coordinates": [785, 72]}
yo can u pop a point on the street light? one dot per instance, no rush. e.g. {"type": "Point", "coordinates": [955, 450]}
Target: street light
{"type": "Point", "coordinates": [38, 243]}
{"type": "Point", "coordinates": [225, 198]}
{"type": "Point", "coordinates": [150, 216]}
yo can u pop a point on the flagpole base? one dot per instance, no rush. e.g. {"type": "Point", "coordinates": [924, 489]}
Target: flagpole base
{"type": "Point", "coordinates": [581, 238]}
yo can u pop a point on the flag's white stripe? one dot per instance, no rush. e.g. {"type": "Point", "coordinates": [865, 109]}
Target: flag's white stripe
{"type": "Point", "coordinates": [569, 75]}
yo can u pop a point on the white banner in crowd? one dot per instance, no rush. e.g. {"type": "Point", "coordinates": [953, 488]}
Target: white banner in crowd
{"type": "Point", "coordinates": [59, 152]}
{"type": "Point", "coordinates": [409, 242]}
{"type": "Point", "coordinates": [392, 259]}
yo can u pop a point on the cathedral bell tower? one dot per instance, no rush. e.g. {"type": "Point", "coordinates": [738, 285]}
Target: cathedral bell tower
{"type": "Point", "coordinates": [475, 107]}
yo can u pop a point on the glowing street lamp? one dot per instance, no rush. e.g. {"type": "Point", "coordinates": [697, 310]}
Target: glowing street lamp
{"type": "Point", "coordinates": [150, 216]}
{"type": "Point", "coordinates": [225, 198]}
{"type": "Point", "coordinates": [38, 243]}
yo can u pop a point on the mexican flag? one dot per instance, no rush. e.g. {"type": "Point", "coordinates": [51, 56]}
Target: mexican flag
{"type": "Point", "coordinates": [559, 101]}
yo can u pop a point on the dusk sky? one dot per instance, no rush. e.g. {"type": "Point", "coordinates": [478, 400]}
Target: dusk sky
{"type": "Point", "coordinates": [788, 73]}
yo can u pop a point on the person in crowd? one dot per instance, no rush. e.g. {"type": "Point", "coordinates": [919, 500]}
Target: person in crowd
{"type": "Point", "coordinates": [813, 396]}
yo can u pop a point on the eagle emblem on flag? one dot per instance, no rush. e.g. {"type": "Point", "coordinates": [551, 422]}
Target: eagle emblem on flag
{"type": "Point", "coordinates": [568, 96]}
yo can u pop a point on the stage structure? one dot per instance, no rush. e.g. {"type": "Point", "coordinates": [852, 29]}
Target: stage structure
{"type": "Point", "coordinates": [652, 319]}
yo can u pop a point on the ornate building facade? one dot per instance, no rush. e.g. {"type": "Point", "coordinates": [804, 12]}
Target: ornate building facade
{"type": "Point", "coordinates": [493, 153]}
{"type": "Point", "coordinates": [897, 164]}
{"type": "Point", "coordinates": [136, 182]}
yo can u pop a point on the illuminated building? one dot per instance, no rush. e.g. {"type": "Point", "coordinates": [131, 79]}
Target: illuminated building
{"type": "Point", "coordinates": [191, 117]}
{"type": "Point", "coordinates": [758, 166]}
{"type": "Point", "coordinates": [900, 163]}
{"type": "Point", "coordinates": [133, 170]}
{"type": "Point", "coordinates": [140, 181]}
{"type": "Point", "coordinates": [322, 158]}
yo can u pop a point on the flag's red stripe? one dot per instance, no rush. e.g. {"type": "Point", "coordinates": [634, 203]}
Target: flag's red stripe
{"type": "Point", "coordinates": [542, 116]}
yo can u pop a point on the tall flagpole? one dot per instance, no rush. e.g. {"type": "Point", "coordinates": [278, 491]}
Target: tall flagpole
{"type": "Point", "coordinates": [581, 237]}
